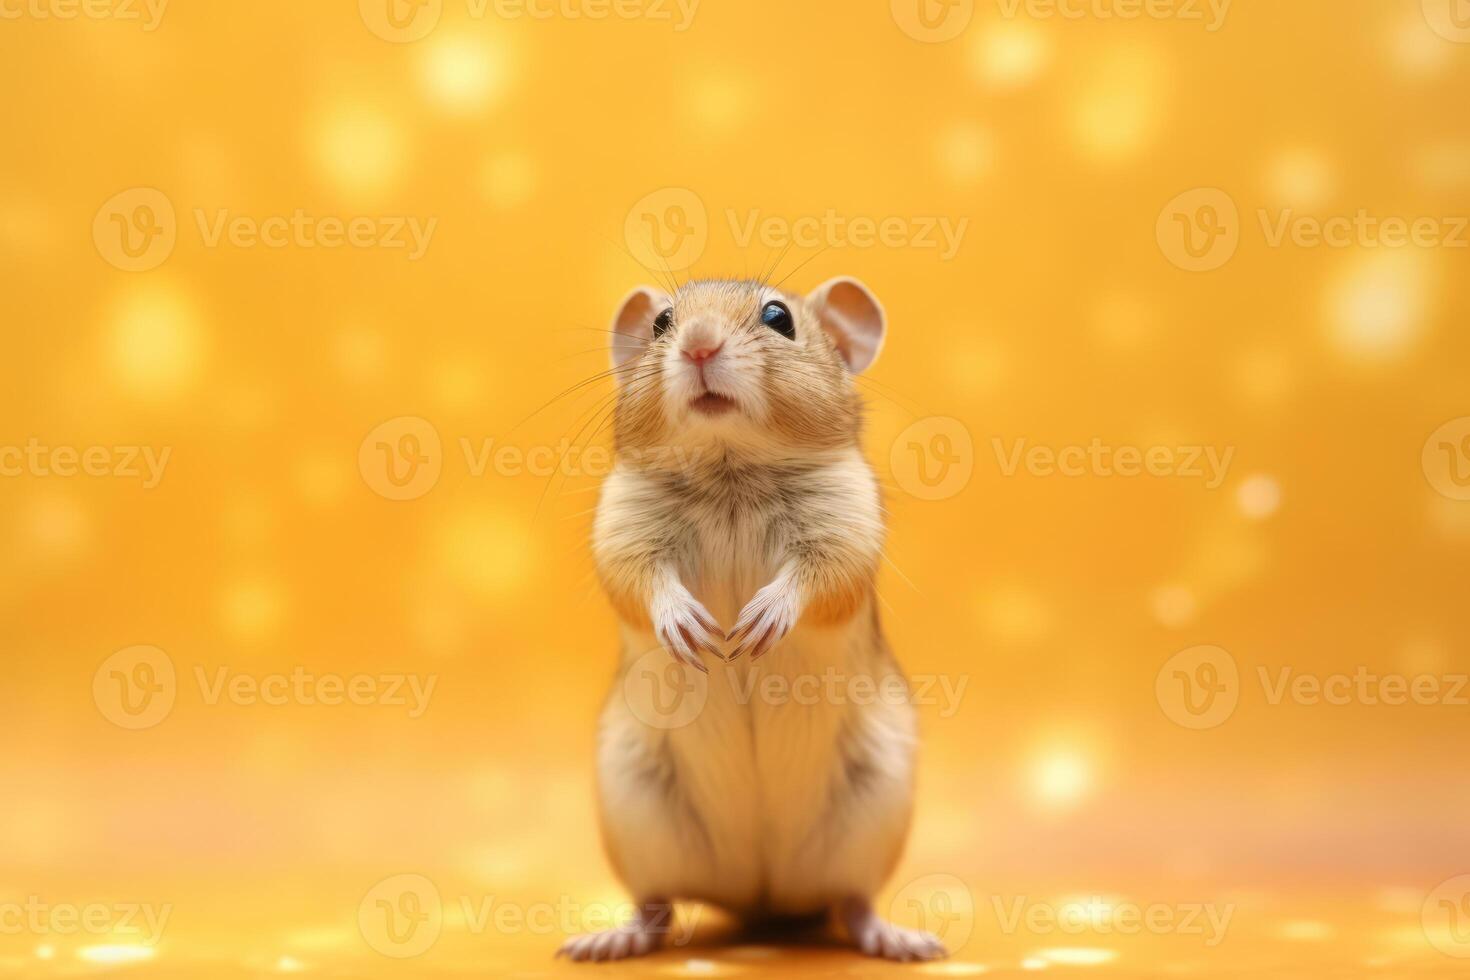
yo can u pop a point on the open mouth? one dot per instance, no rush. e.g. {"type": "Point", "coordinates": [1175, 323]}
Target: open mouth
{"type": "Point", "coordinates": [710, 403]}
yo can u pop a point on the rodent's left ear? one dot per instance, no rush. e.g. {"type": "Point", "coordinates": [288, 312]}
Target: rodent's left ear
{"type": "Point", "coordinates": [853, 318]}
{"type": "Point", "coordinates": [632, 328]}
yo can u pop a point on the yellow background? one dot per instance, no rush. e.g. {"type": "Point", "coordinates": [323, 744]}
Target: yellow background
{"type": "Point", "coordinates": [1062, 318]}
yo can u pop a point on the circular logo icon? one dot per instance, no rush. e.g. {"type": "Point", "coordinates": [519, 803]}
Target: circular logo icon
{"type": "Point", "coordinates": [932, 21]}
{"type": "Point", "coordinates": [1447, 459]}
{"type": "Point", "coordinates": [1446, 917]}
{"type": "Point", "coordinates": [663, 693]}
{"type": "Point", "coordinates": [937, 903]}
{"type": "Point", "coordinates": [934, 458]}
{"type": "Point", "coordinates": [135, 688]}
{"type": "Point", "coordinates": [402, 458]}
{"type": "Point", "coordinates": [667, 231]}
{"type": "Point", "coordinates": [1450, 19]}
{"type": "Point", "coordinates": [401, 21]}
{"type": "Point", "coordinates": [1199, 688]}
{"type": "Point", "coordinates": [136, 230]}
{"type": "Point", "coordinates": [1199, 230]}
{"type": "Point", "coordinates": [401, 916]}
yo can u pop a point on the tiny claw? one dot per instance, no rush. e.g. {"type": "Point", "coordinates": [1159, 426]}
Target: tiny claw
{"type": "Point", "coordinates": [696, 642]}
{"type": "Point", "coordinates": [708, 622]}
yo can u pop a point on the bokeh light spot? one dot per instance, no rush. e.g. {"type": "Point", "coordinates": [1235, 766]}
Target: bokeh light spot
{"type": "Point", "coordinates": [1258, 497]}
{"type": "Point", "coordinates": [1300, 179]}
{"type": "Point", "coordinates": [359, 149]}
{"type": "Point", "coordinates": [1377, 307]}
{"type": "Point", "coordinates": [1116, 111]}
{"type": "Point", "coordinates": [156, 344]}
{"type": "Point", "coordinates": [1061, 778]}
{"type": "Point", "coordinates": [251, 609]}
{"type": "Point", "coordinates": [1174, 606]}
{"type": "Point", "coordinates": [462, 74]}
{"type": "Point", "coordinates": [1009, 54]}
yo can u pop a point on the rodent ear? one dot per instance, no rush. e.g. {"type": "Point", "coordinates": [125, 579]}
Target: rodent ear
{"type": "Point", "coordinates": [853, 318]}
{"type": "Point", "coordinates": [633, 324]}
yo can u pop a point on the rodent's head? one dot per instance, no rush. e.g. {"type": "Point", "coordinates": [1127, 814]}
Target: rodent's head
{"type": "Point", "coordinates": [743, 365]}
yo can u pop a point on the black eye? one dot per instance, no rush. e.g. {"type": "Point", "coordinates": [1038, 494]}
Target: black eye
{"type": "Point", "coordinates": [662, 323]}
{"type": "Point", "coordinates": [778, 318]}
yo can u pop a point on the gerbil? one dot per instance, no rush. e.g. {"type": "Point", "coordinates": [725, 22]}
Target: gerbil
{"type": "Point", "coordinates": [740, 497]}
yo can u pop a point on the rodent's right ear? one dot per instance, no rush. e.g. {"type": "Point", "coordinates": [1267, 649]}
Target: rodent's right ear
{"type": "Point", "coordinates": [633, 324]}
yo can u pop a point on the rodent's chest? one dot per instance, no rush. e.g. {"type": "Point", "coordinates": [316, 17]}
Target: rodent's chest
{"type": "Point", "coordinates": [731, 560]}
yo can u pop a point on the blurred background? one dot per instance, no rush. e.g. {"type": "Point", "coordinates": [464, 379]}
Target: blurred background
{"type": "Point", "coordinates": [303, 651]}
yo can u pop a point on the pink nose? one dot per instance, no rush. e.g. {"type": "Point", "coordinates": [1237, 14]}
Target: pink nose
{"type": "Point", "coordinates": [701, 354]}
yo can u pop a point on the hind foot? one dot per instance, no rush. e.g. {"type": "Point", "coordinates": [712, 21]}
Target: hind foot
{"type": "Point", "coordinates": [639, 938]}
{"type": "Point", "coordinates": [874, 937]}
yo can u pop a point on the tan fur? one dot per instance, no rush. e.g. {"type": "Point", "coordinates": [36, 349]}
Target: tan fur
{"type": "Point", "coordinates": [768, 515]}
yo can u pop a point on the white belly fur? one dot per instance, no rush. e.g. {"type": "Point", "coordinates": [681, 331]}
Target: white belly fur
{"type": "Point", "coordinates": [762, 804]}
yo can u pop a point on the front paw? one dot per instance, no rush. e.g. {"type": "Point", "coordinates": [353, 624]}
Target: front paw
{"type": "Point", "coordinates": [766, 619]}
{"type": "Point", "coordinates": [684, 627]}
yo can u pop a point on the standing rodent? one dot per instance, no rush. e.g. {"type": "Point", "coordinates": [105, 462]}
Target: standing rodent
{"type": "Point", "coordinates": [740, 496]}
